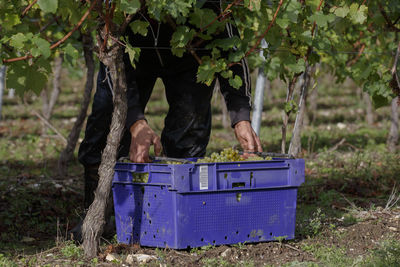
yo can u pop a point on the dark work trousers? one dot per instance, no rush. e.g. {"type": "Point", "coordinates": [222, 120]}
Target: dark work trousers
{"type": "Point", "coordinates": [187, 124]}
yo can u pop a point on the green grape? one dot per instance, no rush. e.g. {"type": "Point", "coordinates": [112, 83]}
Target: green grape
{"type": "Point", "coordinates": [229, 155]}
{"type": "Point", "coordinates": [169, 162]}
{"type": "Point", "coordinates": [226, 155]}
{"type": "Point", "coordinates": [140, 177]}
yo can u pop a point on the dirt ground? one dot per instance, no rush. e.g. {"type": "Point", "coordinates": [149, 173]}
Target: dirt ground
{"type": "Point", "coordinates": [357, 240]}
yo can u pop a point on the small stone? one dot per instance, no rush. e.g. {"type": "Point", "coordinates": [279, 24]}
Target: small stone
{"type": "Point", "coordinates": [141, 258]}
{"type": "Point", "coordinates": [50, 255]}
{"type": "Point", "coordinates": [163, 265]}
{"type": "Point", "coordinates": [111, 257]}
{"type": "Point", "coordinates": [226, 252]}
{"type": "Point", "coordinates": [129, 259]}
{"type": "Point", "coordinates": [341, 125]}
{"type": "Point", "coordinates": [394, 229]}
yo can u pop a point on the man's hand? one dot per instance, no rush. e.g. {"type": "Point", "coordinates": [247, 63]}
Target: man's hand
{"type": "Point", "coordinates": [142, 138]}
{"type": "Point", "coordinates": [247, 138]}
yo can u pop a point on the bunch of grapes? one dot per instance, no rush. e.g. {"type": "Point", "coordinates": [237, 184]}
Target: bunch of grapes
{"type": "Point", "coordinates": [226, 155]}
{"type": "Point", "coordinates": [172, 162]}
{"type": "Point", "coordinates": [140, 177]}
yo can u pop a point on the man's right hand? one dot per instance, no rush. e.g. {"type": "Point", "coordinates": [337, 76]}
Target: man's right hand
{"type": "Point", "coordinates": [142, 137]}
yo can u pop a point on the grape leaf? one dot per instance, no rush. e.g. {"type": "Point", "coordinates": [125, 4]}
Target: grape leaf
{"type": "Point", "coordinates": [321, 19]}
{"type": "Point", "coordinates": [133, 52]}
{"type": "Point", "coordinates": [342, 11]}
{"type": "Point", "coordinates": [139, 26]}
{"type": "Point", "coordinates": [130, 6]}
{"type": "Point", "coordinates": [48, 6]}
{"type": "Point", "coordinates": [42, 47]}
{"type": "Point", "coordinates": [236, 82]}
{"type": "Point", "coordinates": [18, 40]}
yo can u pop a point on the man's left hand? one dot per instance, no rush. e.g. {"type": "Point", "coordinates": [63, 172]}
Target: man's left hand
{"type": "Point", "coordinates": [247, 138]}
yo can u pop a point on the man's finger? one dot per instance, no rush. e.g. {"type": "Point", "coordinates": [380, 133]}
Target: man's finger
{"type": "Point", "coordinates": [251, 144]}
{"type": "Point", "coordinates": [157, 146]}
{"type": "Point", "coordinates": [258, 142]}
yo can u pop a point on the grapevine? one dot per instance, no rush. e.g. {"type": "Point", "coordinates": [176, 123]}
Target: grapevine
{"type": "Point", "coordinates": [354, 40]}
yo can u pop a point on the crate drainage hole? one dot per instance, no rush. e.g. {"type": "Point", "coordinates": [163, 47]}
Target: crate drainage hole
{"type": "Point", "coordinates": [202, 239]}
{"type": "Point", "coordinates": [226, 176]}
{"type": "Point", "coordinates": [238, 197]}
{"type": "Point", "coordinates": [213, 241]}
{"type": "Point", "coordinates": [154, 236]}
{"type": "Point", "coordinates": [155, 196]}
{"type": "Point", "coordinates": [270, 234]}
{"type": "Point", "coordinates": [149, 221]}
{"type": "Point", "coordinates": [237, 232]}
{"type": "Point", "coordinates": [148, 204]}
{"type": "Point", "coordinates": [226, 237]}
{"type": "Point", "coordinates": [204, 202]}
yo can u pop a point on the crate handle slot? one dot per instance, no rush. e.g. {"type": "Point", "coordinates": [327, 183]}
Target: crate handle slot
{"type": "Point", "coordinates": [241, 184]}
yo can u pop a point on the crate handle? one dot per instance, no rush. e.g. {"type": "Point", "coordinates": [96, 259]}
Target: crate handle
{"type": "Point", "coordinates": [238, 184]}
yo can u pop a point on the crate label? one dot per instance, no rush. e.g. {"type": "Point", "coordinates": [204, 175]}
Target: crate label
{"type": "Point", "coordinates": [203, 177]}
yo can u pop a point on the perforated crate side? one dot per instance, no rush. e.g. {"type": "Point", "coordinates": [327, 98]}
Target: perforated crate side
{"type": "Point", "coordinates": [144, 214]}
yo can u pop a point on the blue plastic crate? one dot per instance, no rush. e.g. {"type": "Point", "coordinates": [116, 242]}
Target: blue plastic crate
{"type": "Point", "coordinates": [193, 205]}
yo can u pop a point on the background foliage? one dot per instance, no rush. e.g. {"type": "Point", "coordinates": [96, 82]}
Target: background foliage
{"type": "Point", "coordinates": [356, 40]}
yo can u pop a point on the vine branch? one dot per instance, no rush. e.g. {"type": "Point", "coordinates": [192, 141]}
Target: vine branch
{"type": "Point", "coordinates": [225, 13]}
{"type": "Point", "coordinates": [390, 24]}
{"type": "Point", "coordinates": [62, 40]}
{"type": "Point", "coordinates": [27, 8]}
{"type": "Point", "coordinates": [266, 31]}
{"type": "Point", "coordinates": [315, 23]}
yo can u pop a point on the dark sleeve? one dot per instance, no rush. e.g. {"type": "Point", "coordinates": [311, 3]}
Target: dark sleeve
{"type": "Point", "coordinates": [238, 101]}
{"type": "Point", "coordinates": [135, 107]}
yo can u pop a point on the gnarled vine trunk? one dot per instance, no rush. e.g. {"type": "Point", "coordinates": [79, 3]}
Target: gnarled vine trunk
{"type": "Point", "coordinates": [286, 114]}
{"type": "Point", "coordinates": [67, 154]}
{"type": "Point", "coordinates": [295, 143]}
{"type": "Point", "coordinates": [94, 220]}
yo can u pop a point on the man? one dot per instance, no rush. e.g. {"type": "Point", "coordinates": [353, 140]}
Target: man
{"type": "Point", "coordinates": [188, 122]}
